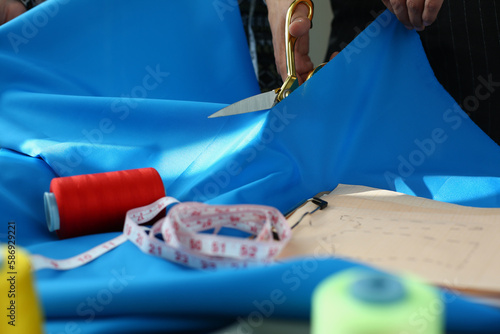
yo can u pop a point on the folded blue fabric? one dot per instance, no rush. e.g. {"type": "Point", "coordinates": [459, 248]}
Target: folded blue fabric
{"type": "Point", "coordinates": [99, 86]}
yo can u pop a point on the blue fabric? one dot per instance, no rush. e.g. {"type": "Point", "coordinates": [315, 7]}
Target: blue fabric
{"type": "Point", "coordinates": [94, 86]}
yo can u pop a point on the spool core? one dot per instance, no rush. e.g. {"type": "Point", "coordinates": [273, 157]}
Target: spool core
{"type": "Point", "coordinates": [51, 212]}
{"type": "Point", "coordinates": [378, 289]}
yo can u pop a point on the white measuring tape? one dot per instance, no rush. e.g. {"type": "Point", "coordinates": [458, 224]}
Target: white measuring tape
{"type": "Point", "coordinates": [186, 239]}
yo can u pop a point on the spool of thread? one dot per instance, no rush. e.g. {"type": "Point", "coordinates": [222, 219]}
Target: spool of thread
{"type": "Point", "coordinates": [366, 302]}
{"type": "Point", "coordinates": [19, 299]}
{"type": "Point", "coordinates": [97, 203]}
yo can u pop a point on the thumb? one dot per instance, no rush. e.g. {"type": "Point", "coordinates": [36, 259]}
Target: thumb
{"type": "Point", "coordinates": [300, 24]}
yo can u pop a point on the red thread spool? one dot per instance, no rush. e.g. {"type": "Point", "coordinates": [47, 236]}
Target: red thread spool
{"type": "Point", "coordinates": [97, 203]}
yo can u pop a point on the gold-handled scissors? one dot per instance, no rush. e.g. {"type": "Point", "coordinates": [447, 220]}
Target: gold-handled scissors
{"type": "Point", "coordinates": [269, 99]}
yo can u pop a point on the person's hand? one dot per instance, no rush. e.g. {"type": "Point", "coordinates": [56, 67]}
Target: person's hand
{"type": "Point", "coordinates": [415, 14]}
{"type": "Point", "coordinates": [10, 9]}
{"type": "Point", "coordinates": [299, 28]}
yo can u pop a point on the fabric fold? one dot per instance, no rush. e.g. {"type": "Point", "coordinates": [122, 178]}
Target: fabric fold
{"type": "Point", "coordinates": [131, 85]}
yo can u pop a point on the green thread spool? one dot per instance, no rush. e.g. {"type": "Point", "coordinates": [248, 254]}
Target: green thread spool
{"type": "Point", "coordinates": [360, 301]}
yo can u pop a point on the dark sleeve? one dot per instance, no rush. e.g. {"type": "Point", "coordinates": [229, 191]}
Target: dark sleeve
{"type": "Point", "coordinates": [350, 17]}
{"type": "Point", "coordinates": [463, 48]}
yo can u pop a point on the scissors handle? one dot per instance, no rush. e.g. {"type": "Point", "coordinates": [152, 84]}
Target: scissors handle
{"type": "Point", "coordinates": [289, 39]}
{"type": "Point", "coordinates": [316, 69]}
{"type": "Point", "coordinates": [291, 81]}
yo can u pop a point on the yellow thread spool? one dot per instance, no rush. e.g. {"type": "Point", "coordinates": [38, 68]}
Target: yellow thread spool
{"type": "Point", "coordinates": [365, 302]}
{"type": "Point", "coordinates": [20, 308]}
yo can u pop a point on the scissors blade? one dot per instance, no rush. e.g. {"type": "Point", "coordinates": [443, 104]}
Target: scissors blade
{"type": "Point", "coordinates": [258, 102]}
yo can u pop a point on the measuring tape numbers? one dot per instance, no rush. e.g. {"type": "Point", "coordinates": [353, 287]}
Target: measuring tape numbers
{"type": "Point", "coordinates": [189, 235]}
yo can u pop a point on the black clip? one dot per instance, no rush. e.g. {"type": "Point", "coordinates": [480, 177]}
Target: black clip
{"type": "Point", "coordinates": [316, 200]}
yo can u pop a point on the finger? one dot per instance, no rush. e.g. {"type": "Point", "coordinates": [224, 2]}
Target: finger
{"type": "Point", "coordinates": [300, 23]}
{"type": "Point", "coordinates": [12, 9]}
{"type": "Point", "coordinates": [415, 11]}
{"type": "Point", "coordinates": [431, 10]}
{"type": "Point", "coordinates": [334, 55]}
{"type": "Point", "coordinates": [299, 28]}
{"type": "Point", "coordinates": [387, 3]}
{"type": "Point", "coordinates": [401, 11]}
{"type": "Point", "coordinates": [280, 59]}
{"type": "Point", "coordinates": [303, 63]}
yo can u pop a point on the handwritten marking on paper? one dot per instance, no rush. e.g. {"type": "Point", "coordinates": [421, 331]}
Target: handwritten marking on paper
{"type": "Point", "coordinates": [369, 228]}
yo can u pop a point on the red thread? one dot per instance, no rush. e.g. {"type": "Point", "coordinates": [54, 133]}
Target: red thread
{"type": "Point", "coordinates": [98, 203]}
